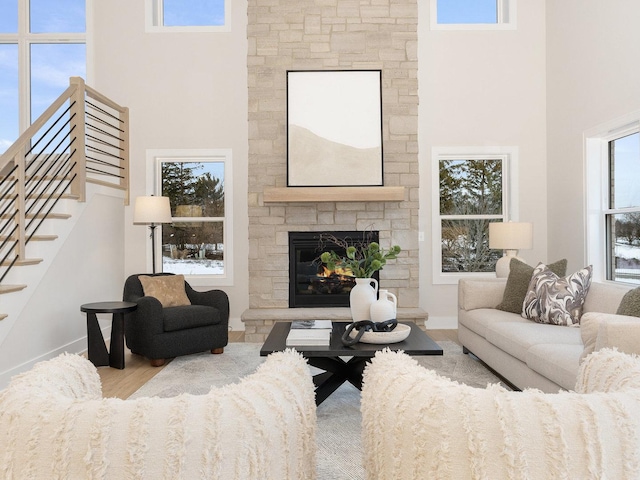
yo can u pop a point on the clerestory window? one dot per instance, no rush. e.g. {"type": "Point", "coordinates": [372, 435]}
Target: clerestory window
{"type": "Point", "coordinates": [42, 44]}
{"type": "Point", "coordinates": [473, 14]}
{"type": "Point", "coordinates": [188, 15]}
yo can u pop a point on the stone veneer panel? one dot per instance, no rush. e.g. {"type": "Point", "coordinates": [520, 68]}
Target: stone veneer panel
{"type": "Point", "coordinates": [331, 35]}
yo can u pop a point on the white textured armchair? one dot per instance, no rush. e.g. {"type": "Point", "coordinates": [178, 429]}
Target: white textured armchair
{"type": "Point", "coordinates": [417, 424]}
{"type": "Point", "coordinates": [54, 424]}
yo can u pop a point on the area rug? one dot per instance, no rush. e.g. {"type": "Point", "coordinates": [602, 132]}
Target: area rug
{"type": "Point", "coordinates": [338, 435]}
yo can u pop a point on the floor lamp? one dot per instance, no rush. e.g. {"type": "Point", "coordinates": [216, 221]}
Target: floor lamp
{"type": "Point", "coordinates": [151, 211]}
{"type": "Point", "coordinates": [510, 237]}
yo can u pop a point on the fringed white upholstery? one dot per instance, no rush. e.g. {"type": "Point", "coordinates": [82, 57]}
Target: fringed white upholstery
{"type": "Point", "coordinates": [55, 425]}
{"type": "Point", "coordinates": [417, 424]}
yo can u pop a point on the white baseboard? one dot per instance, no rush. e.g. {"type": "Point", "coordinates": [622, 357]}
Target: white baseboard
{"type": "Point", "coordinates": [441, 323]}
{"type": "Point", "coordinates": [78, 346]}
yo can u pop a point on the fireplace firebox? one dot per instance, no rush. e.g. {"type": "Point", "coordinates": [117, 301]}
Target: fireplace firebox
{"type": "Point", "coordinates": [310, 283]}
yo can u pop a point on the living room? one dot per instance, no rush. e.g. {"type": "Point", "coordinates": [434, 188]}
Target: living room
{"type": "Point", "coordinates": [562, 71]}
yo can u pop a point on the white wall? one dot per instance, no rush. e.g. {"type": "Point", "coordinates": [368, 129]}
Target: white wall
{"type": "Point", "coordinates": [593, 49]}
{"type": "Point", "coordinates": [87, 268]}
{"type": "Point", "coordinates": [184, 91]}
{"type": "Point", "coordinates": [482, 88]}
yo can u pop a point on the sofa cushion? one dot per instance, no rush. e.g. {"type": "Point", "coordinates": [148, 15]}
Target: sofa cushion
{"type": "Point", "coordinates": [168, 289]}
{"type": "Point", "coordinates": [630, 303]}
{"type": "Point", "coordinates": [518, 281]}
{"type": "Point", "coordinates": [604, 297]}
{"type": "Point", "coordinates": [479, 320]}
{"type": "Point", "coordinates": [190, 316]}
{"type": "Point", "coordinates": [516, 338]}
{"type": "Point", "coordinates": [458, 432]}
{"type": "Point", "coordinates": [557, 362]}
{"type": "Point", "coordinates": [555, 300]}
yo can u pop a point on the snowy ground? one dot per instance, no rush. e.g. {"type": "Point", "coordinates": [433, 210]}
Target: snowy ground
{"type": "Point", "coordinates": [193, 266]}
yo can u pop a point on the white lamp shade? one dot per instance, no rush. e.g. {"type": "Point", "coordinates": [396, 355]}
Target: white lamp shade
{"type": "Point", "coordinates": [510, 235]}
{"type": "Point", "coordinates": [152, 210]}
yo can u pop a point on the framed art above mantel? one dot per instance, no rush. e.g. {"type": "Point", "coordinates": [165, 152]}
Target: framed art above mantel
{"type": "Point", "coordinates": [334, 128]}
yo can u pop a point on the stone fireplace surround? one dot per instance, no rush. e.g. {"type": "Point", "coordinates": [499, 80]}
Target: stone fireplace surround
{"type": "Point", "coordinates": [333, 35]}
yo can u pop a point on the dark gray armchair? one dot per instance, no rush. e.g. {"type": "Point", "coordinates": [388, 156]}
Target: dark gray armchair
{"type": "Point", "coordinates": [159, 333]}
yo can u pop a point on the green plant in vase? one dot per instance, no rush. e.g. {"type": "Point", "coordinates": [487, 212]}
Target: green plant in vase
{"type": "Point", "coordinates": [361, 259]}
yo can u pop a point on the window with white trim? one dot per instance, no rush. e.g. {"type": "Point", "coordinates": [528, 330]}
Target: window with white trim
{"type": "Point", "coordinates": [613, 196]}
{"type": "Point", "coordinates": [188, 16]}
{"type": "Point", "coordinates": [198, 241]}
{"type": "Point", "coordinates": [42, 44]}
{"type": "Point", "coordinates": [473, 14]}
{"type": "Point", "coordinates": [473, 191]}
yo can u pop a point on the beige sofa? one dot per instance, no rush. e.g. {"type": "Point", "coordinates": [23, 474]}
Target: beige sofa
{"type": "Point", "coordinates": [55, 424]}
{"type": "Point", "coordinates": [417, 424]}
{"type": "Point", "coordinates": [525, 353]}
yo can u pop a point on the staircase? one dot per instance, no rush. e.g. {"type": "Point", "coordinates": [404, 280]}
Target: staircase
{"type": "Point", "coordinates": [83, 137]}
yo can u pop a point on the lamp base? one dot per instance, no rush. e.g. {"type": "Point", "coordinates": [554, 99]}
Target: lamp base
{"type": "Point", "coordinates": [502, 265]}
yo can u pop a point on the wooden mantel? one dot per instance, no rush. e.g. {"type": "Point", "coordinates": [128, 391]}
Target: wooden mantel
{"type": "Point", "coordinates": [333, 194]}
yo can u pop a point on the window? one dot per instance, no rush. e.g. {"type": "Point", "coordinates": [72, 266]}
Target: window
{"type": "Point", "coordinates": [473, 192]}
{"type": "Point", "coordinates": [42, 44]}
{"type": "Point", "coordinates": [198, 241]}
{"type": "Point", "coordinates": [188, 15]}
{"type": "Point", "coordinates": [473, 14]}
{"type": "Point", "coordinates": [613, 221]}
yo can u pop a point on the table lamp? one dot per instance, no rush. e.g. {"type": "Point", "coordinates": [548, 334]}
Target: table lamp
{"type": "Point", "coordinates": [152, 210]}
{"type": "Point", "coordinates": [510, 237]}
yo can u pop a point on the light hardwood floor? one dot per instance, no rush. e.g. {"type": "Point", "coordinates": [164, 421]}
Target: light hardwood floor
{"type": "Point", "coordinates": [138, 371]}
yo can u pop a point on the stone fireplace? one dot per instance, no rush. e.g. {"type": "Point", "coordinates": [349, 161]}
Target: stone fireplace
{"type": "Point", "coordinates": [329, 35]}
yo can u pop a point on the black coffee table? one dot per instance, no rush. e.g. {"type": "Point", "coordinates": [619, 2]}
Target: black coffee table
{"type": "Point", "coordinates": [336, 370]}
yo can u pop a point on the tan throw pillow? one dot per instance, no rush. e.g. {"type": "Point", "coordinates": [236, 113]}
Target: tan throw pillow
{"type": "Point", "coordinates": [518, 280]}
{"type": "Point", "coordinates": [168, 289]}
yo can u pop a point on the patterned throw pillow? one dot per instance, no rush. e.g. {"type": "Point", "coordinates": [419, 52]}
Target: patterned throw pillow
{"type": "Point", "coordinates": [554, 300]}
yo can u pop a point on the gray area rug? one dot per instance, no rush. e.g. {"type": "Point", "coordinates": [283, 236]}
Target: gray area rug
{"type": "Point", "coordinates": [338, 435]}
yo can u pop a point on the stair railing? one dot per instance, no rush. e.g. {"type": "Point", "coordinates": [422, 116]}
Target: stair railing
{"type": "Point", "coordinates": [83, 137]}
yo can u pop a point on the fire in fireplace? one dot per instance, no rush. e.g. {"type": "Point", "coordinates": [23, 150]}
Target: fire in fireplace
{"type": "Point", "coordinates": [311, 284]}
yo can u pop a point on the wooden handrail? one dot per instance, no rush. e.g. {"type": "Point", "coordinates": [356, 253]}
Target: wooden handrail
{"type": "Point", "coordinates": [25, 166]}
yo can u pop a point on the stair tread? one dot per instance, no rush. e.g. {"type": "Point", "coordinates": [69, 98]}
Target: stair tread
{"type": "Point", "coordinates": [60, 216]}
{"type": "Point", "coordinates": [11, 288]}
{"type": "Point", "coordinates": [37, 238]}
{"type": "Point", "coordinates": [26, 261]}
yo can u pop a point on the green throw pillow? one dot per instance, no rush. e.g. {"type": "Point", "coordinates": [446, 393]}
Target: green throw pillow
{"type": "Point", "coordinates": [630, 303]}
{"type": "Point", "coordinates": [518, 282]}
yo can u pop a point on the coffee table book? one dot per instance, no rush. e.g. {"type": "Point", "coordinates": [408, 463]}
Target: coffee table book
{"type": "Point", "coordinates": [309, 332]}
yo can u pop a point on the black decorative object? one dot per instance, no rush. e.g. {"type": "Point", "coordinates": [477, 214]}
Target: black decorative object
{"type": "Point", "coordinates": [366, 326]}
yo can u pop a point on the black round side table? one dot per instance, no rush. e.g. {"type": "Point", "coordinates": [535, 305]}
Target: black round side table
{"type": "Point", "coordinates": [96, 346]}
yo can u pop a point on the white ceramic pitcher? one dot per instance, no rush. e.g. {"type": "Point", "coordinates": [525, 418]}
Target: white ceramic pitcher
{"type": "Point", "coordinates": [385, 308]}
{"type": "Point", "coordinates": [361, 297]}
